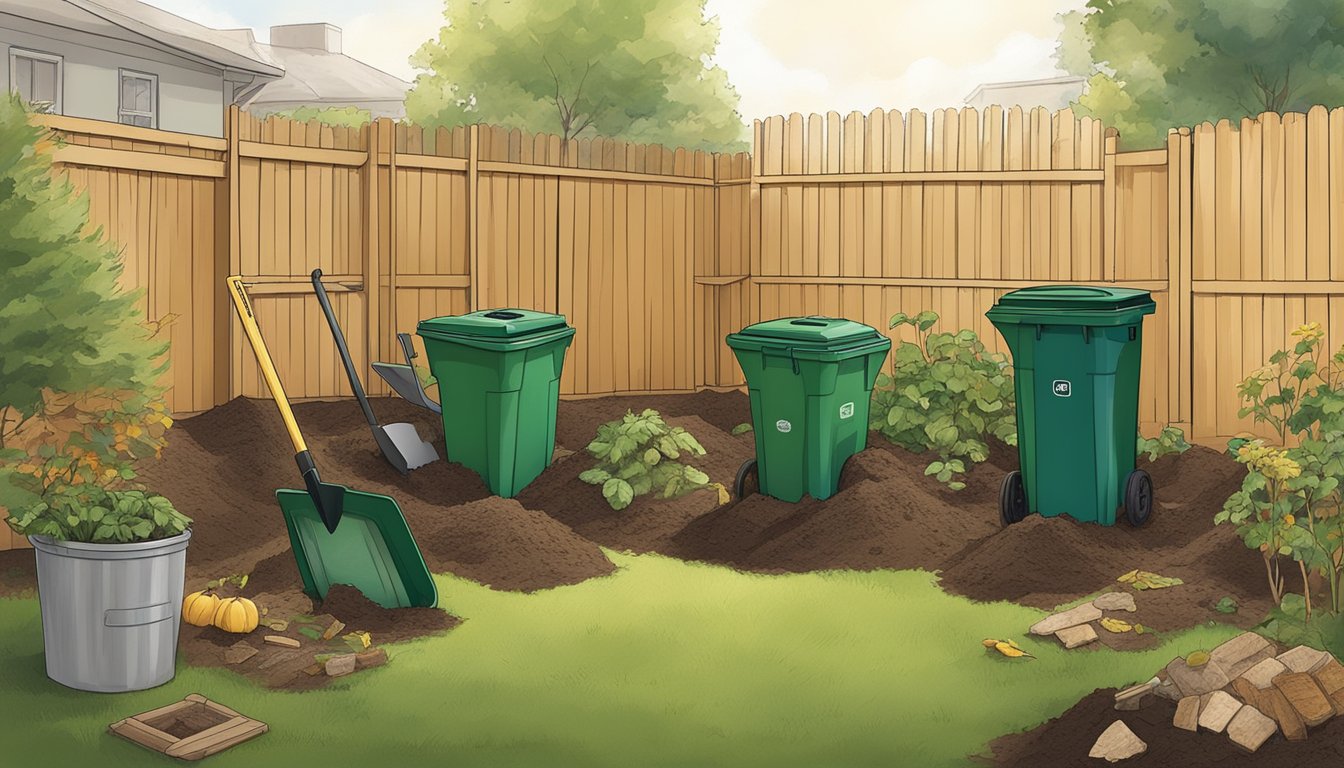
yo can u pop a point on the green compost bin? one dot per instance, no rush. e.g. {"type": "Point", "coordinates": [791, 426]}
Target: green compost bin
{"type": "Point", "coordinates": [810, 381]}
{"type": "Point", "coordinates": [1076, 360]}
{"type": "Point", "coordinates": [499, 382]}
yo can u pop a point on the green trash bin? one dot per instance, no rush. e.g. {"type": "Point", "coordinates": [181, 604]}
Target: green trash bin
{"type": "Point", "coordinates": [810, 381]}
{"type": "Point", "coordinates": [1076, 367]}
{"type": "Point", "coordinates": [499, 383]}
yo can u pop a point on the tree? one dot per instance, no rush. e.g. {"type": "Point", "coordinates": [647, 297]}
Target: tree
{"type": "Point", "coordinates": [338, 117]}
{"type": "Point", "coordinates": [631, 69]}
{"type": "Point", "coordinates": [1155, 64]}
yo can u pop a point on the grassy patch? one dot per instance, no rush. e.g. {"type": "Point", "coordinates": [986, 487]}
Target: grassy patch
{"type": "Point", "coordinates": [663, 663]}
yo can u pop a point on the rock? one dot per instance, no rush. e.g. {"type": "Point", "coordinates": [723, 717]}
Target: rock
{"type": "Point", "coordinates": [1117, 743]}
{"type": "Point", "coordinates": [1219, 711]}
{"type": "Point", "coordinates": [1115, 601]}
{"type": "Point", "coordinates": [1306, 697]}
{"type": "Point", "coordinates": [1073, 637]}
{"type": "Point", "coordinates": [283, 642]}
{"type": "Point", "coordinates": [1065, 619]}
{"type": "Point", "coordinates": [374, 657]}
{"type": "Point", "coordinates": [336, 627]}
{"type": "Point", "coordinates": [340, 665]}
{"type": "Point", "coordinates": [1304, 659]}
{"type": "Point", "coordinates": [1250, 728]}
{"type": "Point", "coordinates": [239, 652]}
{"type": "Point", "coordinates": [1273, 703]}
{"type": "Point", "coordinates": [1196, 682]}
{"type": "Point", "coordinates": [1187, 714]}
{"type": "Point", "coordinates": [1165, 689]}
{"type": "Point", "coordinates": [1241, 653]}
{"type": "Point", "coordinates": [1263, 673]}
{"type": "Point", "coordinates": [1133, 698]}
{"type": "Point", "coordinates": [1331, 679]}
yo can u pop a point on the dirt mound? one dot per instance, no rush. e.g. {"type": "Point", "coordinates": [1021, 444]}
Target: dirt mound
{"type": "Point", "coordinates": [1067, 739]}
{"type": "Point", "coordinates": [386, 625]}
{"type": "Point", "coordinates": [498, 543]}
{"type": "Point", "coordinates": [1046, 561]}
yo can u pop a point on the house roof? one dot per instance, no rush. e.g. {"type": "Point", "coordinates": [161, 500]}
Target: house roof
{"type": "Point", "coordinates": [316, 76]}
{"type": "Point", "coordinates": [145, 24]}
{"type": "Point", "coordinates": [1048, 81]}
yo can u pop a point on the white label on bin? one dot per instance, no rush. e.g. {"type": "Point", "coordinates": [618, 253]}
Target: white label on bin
{"type": "Point", "coordinates": [783, 425]}
{"type": "Point", "coordinates": [847, 411]}
{"type": "Point", "coordinates": [1061, 388]}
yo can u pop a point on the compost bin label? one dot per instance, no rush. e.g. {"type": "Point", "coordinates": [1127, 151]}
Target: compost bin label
{"type": "Point", "coordinates": [847, 411]}
{"type": "Point", "coordinates": [783, 425]}
{"type": "Point", "coordinates": [1061, 388]}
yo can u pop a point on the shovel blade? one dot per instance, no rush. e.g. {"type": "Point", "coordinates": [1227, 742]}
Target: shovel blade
{"type": "Point", "coordinates": [407, 447]}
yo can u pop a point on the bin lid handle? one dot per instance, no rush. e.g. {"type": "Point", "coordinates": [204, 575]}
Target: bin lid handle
{"type": "Point", "coordinates": [503, 314]}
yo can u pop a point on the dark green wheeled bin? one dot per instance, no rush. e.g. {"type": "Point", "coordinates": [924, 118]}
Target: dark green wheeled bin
{"type": "Point", "coordinates": [810, 381]}
{"type": "Point", "coordinates": [499, 384]}
{"type": "Point", "coordinates": [1076, 360]}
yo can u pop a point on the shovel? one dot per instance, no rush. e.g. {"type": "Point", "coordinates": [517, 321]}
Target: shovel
{"type": "Point", "coordinates": [402, 378]}
{"type": "Point", "coordinates": [374, 550]}
{"type": "Point", "coordinates": [399, 443]}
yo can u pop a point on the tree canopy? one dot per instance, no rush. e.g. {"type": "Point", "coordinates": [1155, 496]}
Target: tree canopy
{"type": "Point", "coordinates": [1157, 64]}
{"type": "Point", "coordinates": [637, 70]}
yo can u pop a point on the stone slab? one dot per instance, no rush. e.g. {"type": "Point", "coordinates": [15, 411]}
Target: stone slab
{"type": "Point", "coordinates": [239, 652]}
{"type": "Point", "coordinates": [1331, 679]}
{"type": "Point", "coordinates": [1065, 619]}
{"type": "Point", "coordinates": [1219, 711]}
{"type": "Point", "coordinates": [1072, 637]}
{"type": "Point", "coordinates": [337, 666]}
{"type": "Point", "coordinates": [1197, 681]}
{"type": "Point", "coordinates": [1241, 653]}
{"type": "Point", "coordinates": [1274, 704]}
{"type": "Point", "coordinates": [1117, 743]}
{"type": "Point", "coordinates": [1304, 659]}
{"type": "Point", "coordinates": [1187, 714]}
{"type": "Point", "coordinates": [1115, 601]}
{"type": "Point", "coordinates": [1250, 728]}
{"type": "Point", "coordinates": [1263, 673]}
{"type": "Point", "coordinates": [1306, 697]}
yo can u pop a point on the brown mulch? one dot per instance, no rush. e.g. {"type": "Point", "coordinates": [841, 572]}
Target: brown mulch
{"type": "Point", "coordinates": [1067, 739]}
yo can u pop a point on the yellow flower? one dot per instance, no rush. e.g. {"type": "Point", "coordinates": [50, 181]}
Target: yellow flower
{"type": "Point", "coordinates": [1289, 520]}
{"type": "Point", "coordinates": [1309, 331]}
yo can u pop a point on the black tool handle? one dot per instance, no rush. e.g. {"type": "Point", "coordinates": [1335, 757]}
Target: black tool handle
{"type": "Point", "coordinates": [407, 348]}
{"type": "Point", "coordinates": [340, 346]}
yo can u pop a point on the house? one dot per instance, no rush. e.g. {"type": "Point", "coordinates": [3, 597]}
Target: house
{"type": "Point", "coordinates": [128, 62]}
{"type": "Point", "coordinates": [318, 74]}
{"type": "Point", "coordinates": [1053, 93]}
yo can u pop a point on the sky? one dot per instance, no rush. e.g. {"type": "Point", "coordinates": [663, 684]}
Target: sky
{"type": "Point", "coordinates": [782, 55]}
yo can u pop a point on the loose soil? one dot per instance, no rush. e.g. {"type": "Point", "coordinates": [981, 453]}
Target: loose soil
{"type": "Point", "coordinates": [222, 468]}
{"type": "Point", "coordinates": [1067, 739]}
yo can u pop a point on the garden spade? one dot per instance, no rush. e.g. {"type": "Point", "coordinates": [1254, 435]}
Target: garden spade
{"type": "Point", "coordinates": [399, 443]}
{"type": "Point", "coordinates": [340, 535]}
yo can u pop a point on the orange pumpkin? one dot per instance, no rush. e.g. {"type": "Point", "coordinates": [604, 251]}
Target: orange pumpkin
{"type": "Point", "coordinates": [238, 615]}
{"type": "Point", "coordinates": [198, 608]}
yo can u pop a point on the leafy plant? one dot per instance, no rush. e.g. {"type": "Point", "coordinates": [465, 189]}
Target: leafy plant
{"type": "Point", "coordinates": [1317, 538]}
{"type": "Point", "coordinates": [341, 117]}
{"type": "Point", "coordinates": [1227, 604]}
{"type": "Point", "coordinates": [1262, 510]}
{"type": "Point", "coordinates": [1272, 394]}
{"type": "Point", "coordinates": [96, 515]}
{"type": "Point", "coordinates": [947, 394]}
{"type": "Point", "coordinates": [1170, 441]}
{"type": "Point", "coordinates": [742, 429]}
{"type": "Point", "coordinates": [637, 454]}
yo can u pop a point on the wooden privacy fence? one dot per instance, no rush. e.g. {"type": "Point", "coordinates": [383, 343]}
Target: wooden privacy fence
{"type": "Point", "coordinates": [655, 254]}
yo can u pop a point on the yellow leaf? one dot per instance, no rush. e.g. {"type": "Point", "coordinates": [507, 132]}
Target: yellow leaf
{"type": "Point", "coordinates": [1011, 650]}
{"type": "Point", "coordinates": [989, 642]}
{"type": "Point", "coordinates": [1116, 625]}
{"type": "Point", "coordinates": [1129, 577]}
{"type": "Point", "coordinates": [134, 431]}
{"type": "Point", "coordinates": [166, 421]}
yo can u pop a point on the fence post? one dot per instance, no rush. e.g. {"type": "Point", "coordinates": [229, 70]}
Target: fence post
{"type": "Point", "coordinates": [232, 354]}
{"type": "Point", "coordinates": [1180, 170]}
{"type": "Point", "coordinates": [1109, 205]}
{"type": "Point", "coordinates": [473, 193]}
{"type": "Point", "coordinates": [373, 256]}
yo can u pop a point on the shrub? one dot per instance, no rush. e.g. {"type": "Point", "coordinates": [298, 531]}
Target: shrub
{"type": "Point", "coordinates": [638, 454]}
{"type": "Point", "coordinates": [79, 400]}
{"type": "Point", "coordinates": [1274, 393]}
{"type": "Point", "coordinates": [340, 117]}
{"type": "Point", "coordinates": [93, 514]}
{"type": "Point", "coordinates": [1170, 441]}
{"type": "Point", "coordinates": [945, 394]}
{"type": "Point", "coordinates": [1262, 509]}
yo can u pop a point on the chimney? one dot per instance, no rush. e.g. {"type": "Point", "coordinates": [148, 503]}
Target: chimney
{"type": "Point", "coordinates": [320, 36]}
{"type": "Point", "coordinates": [241, 35]}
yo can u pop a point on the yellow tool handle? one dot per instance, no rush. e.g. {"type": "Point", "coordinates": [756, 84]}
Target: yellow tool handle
{"type": "Point", "coordinates": [244, 307]}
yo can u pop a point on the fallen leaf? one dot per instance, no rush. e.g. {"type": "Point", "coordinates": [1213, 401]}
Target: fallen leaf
{"type": "Point", "coordinates": [1129, 577]}
{"type": "Point", "coordinates": [279, 625]}
{"type": "Point", "coordinates": [1116, 625]}
{"type": "Point", "coordinates": [1011, 650]}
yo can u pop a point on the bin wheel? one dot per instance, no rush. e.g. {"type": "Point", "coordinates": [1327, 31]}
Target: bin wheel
{"type": "Point", "coordinates": [1138, 498]}
{"type": "Point", "coordinates": [1012, 499]}
{"type": "Point", "coordinates": [748, 480]}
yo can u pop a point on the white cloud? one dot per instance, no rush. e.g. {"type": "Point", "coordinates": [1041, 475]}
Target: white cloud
{"type": "Point", "coordinates": [387, 40]}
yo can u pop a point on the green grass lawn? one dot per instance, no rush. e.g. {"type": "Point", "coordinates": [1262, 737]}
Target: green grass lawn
{"type": "Point", "coordinates": [662, 664]}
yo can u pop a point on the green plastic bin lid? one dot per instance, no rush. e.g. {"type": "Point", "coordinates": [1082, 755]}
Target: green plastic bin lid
{"type": "Point", "coordinates": [813, 330]}
{"type": "Point", "coordinates": [1070, 297]}
{"type": "Point", "coordinates": [492, 324]}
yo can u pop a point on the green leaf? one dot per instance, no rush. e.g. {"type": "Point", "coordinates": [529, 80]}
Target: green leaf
{"type": "Point", "coordinates": [595, 476]}
{"type": "Point", "coordinates": [618, 493]}
{"type": "Point", "coordinates": [652, 456]}
{"type": "Point", "coordinates": [742, 428]}
{"type": "Point", "coordinates": [933, 468]}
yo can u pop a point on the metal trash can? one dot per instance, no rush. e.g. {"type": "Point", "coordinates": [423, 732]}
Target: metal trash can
{"type": "Point", "coordinates": [811, 381]}
{"type": "Point", "coordinates": [111, 612]}
{"type": "Point", "coordinates": [499, 385]}
{"type": "Point", "coordinates": [1076, 361]}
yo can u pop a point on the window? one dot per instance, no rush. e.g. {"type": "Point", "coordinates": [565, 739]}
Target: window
{"type": "Point", "coordinates": [36, 77]}
{"type": "Point", "coordinates": [139, 103]}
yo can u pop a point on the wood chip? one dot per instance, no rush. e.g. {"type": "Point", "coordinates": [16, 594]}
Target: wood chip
{"type": "Point", "coordinates": [1187, 714]}
{"type": "Point", "coordinates": [280, 657]}
{"type": "Point", "coordinates": [314, 670]}
{"type": "Point", "coordinates": [336, 626]}
{"type": "Point", "coordinates": [239, 652]}
{"type": "Point", "coordinates": [374, 657]}
{"type": "Point", "coordinates": [1306, 697]}
{"type": "Point", "coordinates": [283, 642]}
{"type": "Point", "coordinates": [1275, 704]}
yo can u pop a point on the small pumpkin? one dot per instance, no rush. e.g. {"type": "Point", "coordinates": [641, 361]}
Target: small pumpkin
{"type": "Point", "coordinates": [238, 615]}
{"type": "Point", "coordinates": [198, 608]}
